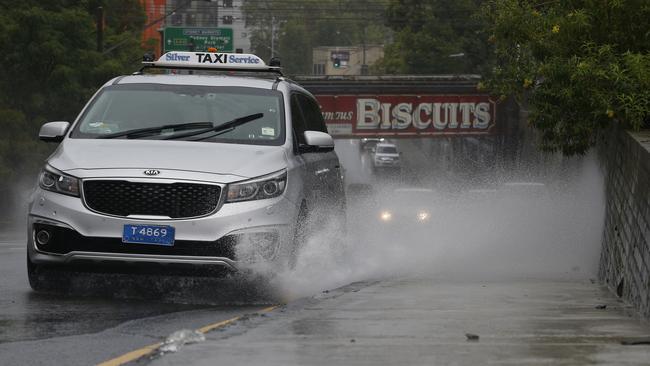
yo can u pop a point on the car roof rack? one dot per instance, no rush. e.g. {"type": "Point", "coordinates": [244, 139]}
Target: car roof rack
{"type": "Point", "coordinates": [216, 61]}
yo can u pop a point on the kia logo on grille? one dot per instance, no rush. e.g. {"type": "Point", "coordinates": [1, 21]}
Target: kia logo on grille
{"type": "Point", "coordinates": [151, 172]}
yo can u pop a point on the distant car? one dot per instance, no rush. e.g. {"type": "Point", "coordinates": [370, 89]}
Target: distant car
{"type": "Point", "coordinates": [386, 156]}
{"type": "Point", "coordinates": [399, 216]}
{"type": "Point", "coordinates": [406, 207]}
{"type": "Point", "coordinates": [368, 143]}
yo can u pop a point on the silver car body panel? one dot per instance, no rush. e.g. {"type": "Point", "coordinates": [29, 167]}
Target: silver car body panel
{"type": "Point", "coordinates": [100, 257]}
{"type": "Point", "coordinates": [87, 157]}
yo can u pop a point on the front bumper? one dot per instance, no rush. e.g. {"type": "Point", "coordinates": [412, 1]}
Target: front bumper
{"type": "Point", "coordinates": [80, 235]}
{"type": "Point", "coordinates": [387, 163]}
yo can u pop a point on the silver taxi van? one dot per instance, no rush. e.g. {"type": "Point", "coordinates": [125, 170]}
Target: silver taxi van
{"type": "Point", "coordinates": [181, 165]}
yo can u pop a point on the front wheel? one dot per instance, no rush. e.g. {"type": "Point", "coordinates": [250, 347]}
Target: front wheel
{"type": "Point", "coordinates": [44, 279]}
{"type": "Point", "coordinates": [300, 235]}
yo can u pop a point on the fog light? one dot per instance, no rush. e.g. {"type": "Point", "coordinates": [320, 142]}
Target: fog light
{"type": "Point", "coordinates": [43, 237]}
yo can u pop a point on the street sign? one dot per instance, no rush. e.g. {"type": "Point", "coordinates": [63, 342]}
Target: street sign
{"type": "Point", "coordinates": [198, 39]}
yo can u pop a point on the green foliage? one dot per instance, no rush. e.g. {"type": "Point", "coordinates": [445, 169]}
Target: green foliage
{"type": "Point", "coordinates": [435, 37]}
{"type": "Point", "coordinates": [50, 67]}
{"type": "Point", "coordinates": [579, 64]}
{"type": "Point", "coordinates": [301, 25]}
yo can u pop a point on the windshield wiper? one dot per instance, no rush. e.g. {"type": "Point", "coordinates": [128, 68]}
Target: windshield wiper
{"type": "Point", "coordinates": [217, 130]}
{"type": "Point", "coordinates": [139, 132]}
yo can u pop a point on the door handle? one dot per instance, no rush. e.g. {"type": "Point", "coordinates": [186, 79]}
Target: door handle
{"type": "Point", "coordinates": [322, 171]}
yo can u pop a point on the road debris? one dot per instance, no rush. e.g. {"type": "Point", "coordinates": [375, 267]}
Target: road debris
{"type": "Point", "coordinates": [178, 339]}
{"type": "Point", "coordinates": [472, 337]}
{"type": "Point", "coordinates": [601, 306]}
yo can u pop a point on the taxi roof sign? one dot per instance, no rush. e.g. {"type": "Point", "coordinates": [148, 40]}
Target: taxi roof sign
{"type": "Point", "coordinates": [211, 60]}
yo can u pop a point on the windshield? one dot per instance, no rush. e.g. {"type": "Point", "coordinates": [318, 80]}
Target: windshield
{"type": "Point", "coordinates": [122, 108]}
{"type": "Point", "coordinates": [386, 150]}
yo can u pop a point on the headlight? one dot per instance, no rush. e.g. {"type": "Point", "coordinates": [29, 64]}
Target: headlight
{"type": "Point", "coordinates": [423, 216]}
{"type": "Point", "coordinates": [60, 183]}
{"type": "Point", "coordinates": [386, 216]}
{"type": "Point", "coordinates": [268, 186]}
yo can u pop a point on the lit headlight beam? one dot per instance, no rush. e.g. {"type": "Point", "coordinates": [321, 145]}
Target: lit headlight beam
{"type": "Point", "coordinates": [386, 216]}
{"type": "Point", "coordinates": [423, 215]}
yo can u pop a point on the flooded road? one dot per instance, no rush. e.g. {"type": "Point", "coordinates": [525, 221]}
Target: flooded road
{"type": "Point", "coordinates": [435, 321]}
{"type": "Point", "coordinates": [499, 224]}
{"type": "Point", "coordinates": [103, 316]}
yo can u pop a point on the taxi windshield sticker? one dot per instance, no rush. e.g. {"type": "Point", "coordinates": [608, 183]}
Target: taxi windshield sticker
{"type": "Point", "coordinates": [268, 131]}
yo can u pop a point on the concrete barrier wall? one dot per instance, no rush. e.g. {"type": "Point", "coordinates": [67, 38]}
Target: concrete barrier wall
{"type": "Point", "coordinates": [625, 257]}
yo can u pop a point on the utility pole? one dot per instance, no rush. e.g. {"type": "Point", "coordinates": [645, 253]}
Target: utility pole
{"type": "Point", "coordinates": [272, 36]}
{"type": "Point", "coordinates": [364, 66]}
{"type": "Point", "coordinates": [99, 19]}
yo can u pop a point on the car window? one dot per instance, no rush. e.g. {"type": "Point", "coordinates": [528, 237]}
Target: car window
{"type": "Point", "coordinates": [119, 108]}
{"type": "Point", "coordinates": [312, 114]}
{"type": "Point", "coordinates": [386, 150]}
{"type": "Point", "coordinates": [297, 120]}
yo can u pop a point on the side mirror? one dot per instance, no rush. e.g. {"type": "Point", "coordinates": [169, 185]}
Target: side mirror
{"type": "Point", "coordinates": [53, 131]}
{"type": "Point", "coordinates": [319, 140]}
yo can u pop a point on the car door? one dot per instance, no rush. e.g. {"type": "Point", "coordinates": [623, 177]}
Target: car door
{"type": "Point", "coordinates": [307, 161]}
{"type": "Point", "coordinates": [325, 164]}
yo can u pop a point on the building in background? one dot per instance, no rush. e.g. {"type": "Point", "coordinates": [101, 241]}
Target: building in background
{"type": "Point", "coordinates": [222, 14]}
{"type": "Point", "coordinates": [353, 60]}
{"type": "Point", "coordinates": [155, 11]}
{"type": "Point", "coordinates": [187, 25]}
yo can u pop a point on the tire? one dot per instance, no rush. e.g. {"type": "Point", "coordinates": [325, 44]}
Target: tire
{"type": "Point", "coordinates": [300, 235]}
{"type": "Point", "coordinates": [341, 235]}
{"type": "Point", "coordinates": [43, 279]}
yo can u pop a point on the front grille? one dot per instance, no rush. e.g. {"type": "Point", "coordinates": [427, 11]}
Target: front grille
{"type": "Point", "coordinates": [175, 200]}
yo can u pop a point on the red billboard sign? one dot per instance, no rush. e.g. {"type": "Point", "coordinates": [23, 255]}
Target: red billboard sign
{"type": "Point", "coordinates": [407, 115]}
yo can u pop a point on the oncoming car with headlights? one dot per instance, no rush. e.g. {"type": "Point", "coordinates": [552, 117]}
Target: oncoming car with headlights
{"type": "Point", "coordinates": [184, 166]}
{"type": "Point", "coordinates": [407, 207]}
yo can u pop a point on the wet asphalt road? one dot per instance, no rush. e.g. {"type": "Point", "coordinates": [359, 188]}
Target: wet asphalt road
{"type": "Point", "coordinates": [390, 322]}
{"type": "Point", "coordinates": [106, 315]}
{"type": "Point", "coordinates": [435, 321]}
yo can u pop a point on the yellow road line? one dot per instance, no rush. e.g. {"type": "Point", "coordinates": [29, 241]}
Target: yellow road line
{"type": "Point", "coordinates": [147, 350]}
{"type": "Point", "coordinates": [210, 327]}
{"type": "Point", "coordinates": [131, 356]}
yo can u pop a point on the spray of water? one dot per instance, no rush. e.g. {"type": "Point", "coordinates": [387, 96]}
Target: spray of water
{"type": "Point", "coordinates": [504, 227]}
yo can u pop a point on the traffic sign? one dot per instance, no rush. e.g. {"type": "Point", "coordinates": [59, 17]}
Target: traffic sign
{"type": "Point", "coordinates": [198, 39]}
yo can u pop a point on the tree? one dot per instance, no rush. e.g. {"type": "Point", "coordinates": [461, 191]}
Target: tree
{"type": "Point", "coordinates": [50, 67]}
{"type": "Point", "coordinates": [579, 64]}
{"type": "Point", "coordinates": [435, 37]}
